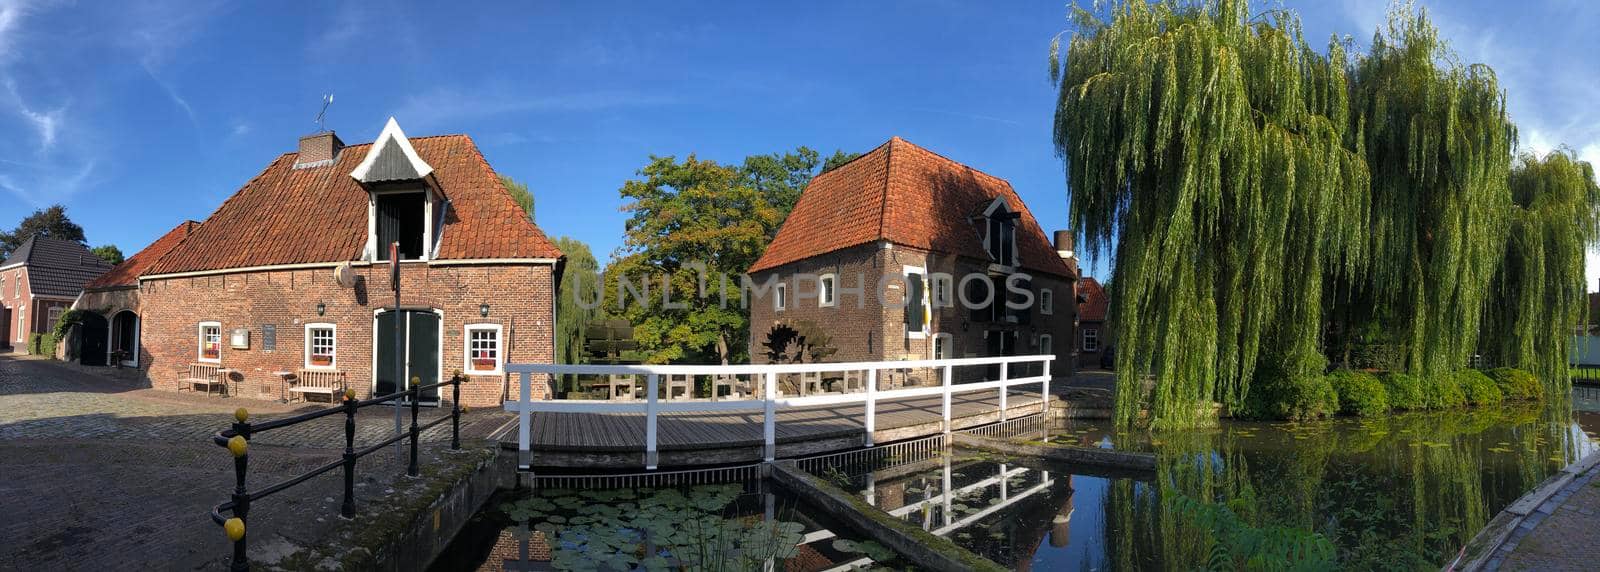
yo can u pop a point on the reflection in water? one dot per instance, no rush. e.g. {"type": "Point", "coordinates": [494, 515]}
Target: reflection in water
{"type": "Point", "coordinates": [1404, 491]}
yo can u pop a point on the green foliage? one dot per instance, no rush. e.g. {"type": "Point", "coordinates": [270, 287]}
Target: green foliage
{"type": "Point", "coordinates": [1360, 393]}
{"type": "Point", "coordinates": [580, 283]}
{"type": "Point", "coordinates": [1259, 194]}
{"type": "Point", "coordinates": [1404, 391]}
{"type": "Point", "coordinates": [690, 224]}
{"type": "Point", "coordinates": [1516, 384]}
{"type": "Point", "coordinates": [520, 193]}
{"type": "Point", "coordinates": [1236, 544]}
{"type": "Point", "coordinates": [1279, 394]}
{"type": "Point", "coordinates": [68, 319]}
{"type": "Point", "coordinates": [1443, 391]}
{"type": "Point", "coordinates": [41, 344]}
{"type": "Point", "coordinates": [1478, 388]}
{"type": "Point", "coordinates": [109, 253]}
{"type": "Point", "coordinates": [1540, 288]}
{"type": "Point", "coordinates": [51, 222]}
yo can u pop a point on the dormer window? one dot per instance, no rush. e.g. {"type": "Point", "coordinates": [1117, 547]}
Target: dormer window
{"type": "Point", "coordinates": [1000, 233]}
{"type": "Point", "coordinates": [402, 217]}
{"type": "Point", "coordinates": [405, 205]}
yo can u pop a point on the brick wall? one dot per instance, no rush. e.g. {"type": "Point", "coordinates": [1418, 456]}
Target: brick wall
{"type": "Point", "coordinates": [519, 296]}
{"type": "Point", "coordinates": [15, 296]}
{"type": "Point", "coordinates": [867, 329]}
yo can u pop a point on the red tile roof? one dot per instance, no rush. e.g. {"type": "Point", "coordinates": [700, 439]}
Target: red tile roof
{"type": "Point", "coordinates": [319, 214]}
{"type": "Point", "coordinates": [1096, 304]}
{"type": "Point", "coordinates": [907, 195]}
{"type": "Point", "coordinates": [127, 273]}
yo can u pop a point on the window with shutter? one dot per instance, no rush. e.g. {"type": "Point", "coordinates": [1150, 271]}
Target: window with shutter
{"type": "Point", "coordinates": [916, 317]}
{"type": "Point", "coordinates": [402, 217]}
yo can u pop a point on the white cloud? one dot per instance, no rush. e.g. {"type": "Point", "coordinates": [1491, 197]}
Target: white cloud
{"type": "Point", "coordinates": [241, 128]}
{"type": "Point", "coordinates": [45, 123]}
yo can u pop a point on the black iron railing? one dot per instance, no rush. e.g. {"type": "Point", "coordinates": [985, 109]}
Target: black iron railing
{"type": "Point", "coordinates": [237, 440]}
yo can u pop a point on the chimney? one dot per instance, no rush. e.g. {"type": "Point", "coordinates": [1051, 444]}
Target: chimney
{"type": "Point", "coordinates": [318, 149]}
{"type": "Point", "coordinates": [1064, 244]}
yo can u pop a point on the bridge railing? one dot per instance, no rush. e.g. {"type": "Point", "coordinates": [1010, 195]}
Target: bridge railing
{"type": "Point", "coordinates": [769, 399]}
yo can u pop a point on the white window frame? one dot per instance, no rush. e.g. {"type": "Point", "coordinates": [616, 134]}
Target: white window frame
{"type": "Point", "coordinates": [1047, 301]}
{"type": "Point", "coordinates": [780, 297]}
{"type": "Point", "coordinates": [1047, 344]}
{"type": "Point", "coordinates": [1091, 339]}
{"type": "Point", "coordinates": [945, 340]}
{"type": "Point", "coordinates": [427, 223]}
{"type": "Point", "coordinates": [906, 272]}
{"type": "Point", "coordinates": [200, 342]}
{"type": "Point", "coordinates": [499, 348]}
{"type": "Point", "coordinates": [827, 291]}
{"type": "Point", "coordinates": [334, 363]}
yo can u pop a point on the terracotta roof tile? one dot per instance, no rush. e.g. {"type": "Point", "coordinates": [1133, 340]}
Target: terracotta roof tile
{"type": "Point", "coordinates": [907, 195]}
{"type": "Point", "coordinates": [127, 273]}
{"type": "Point", "coordinates": [319, 214]}
{"type": "Point", "coordinates": [1096, 304]}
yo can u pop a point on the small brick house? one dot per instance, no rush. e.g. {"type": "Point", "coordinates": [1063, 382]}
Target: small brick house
{"type": "Point", "coordinates": [290, 276]}
{"type": "Point", "coordinates": [38, 282]}
{"type": "Point", "coordinates": [110, 331]}
{"type": "Point", "coordinates": [896, 240]}
{"type": "Point", "coordinates": [1093, 337]}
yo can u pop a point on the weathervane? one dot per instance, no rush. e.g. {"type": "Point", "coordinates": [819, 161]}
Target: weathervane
{"type": "Point", "coordinates": [326, 101]}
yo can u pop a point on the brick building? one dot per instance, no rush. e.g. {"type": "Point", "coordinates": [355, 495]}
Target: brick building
{"type": "Point", "coordinates": [1094, 339]}
{"type": "Point", "coordinates": [290, 276]}
{"type": "Point", "coordinates": [38, 282]}
{"type": "Point", "coordinates": [896, 240]}
{"type": "Point", "coordinates": [110, 329]}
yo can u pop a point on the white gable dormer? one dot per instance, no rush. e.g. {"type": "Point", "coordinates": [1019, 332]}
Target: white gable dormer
{"type": "Point", "coordinates": [1000, 232]}
{"type": "Point", "coordinates": [403, 200]}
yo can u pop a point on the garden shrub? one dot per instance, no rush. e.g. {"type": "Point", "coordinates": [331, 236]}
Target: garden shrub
{"type": "Point", "coordinates": [1360, 393]}
{"type": "Point", "coordinates": [42, 344]}
{"type": "Point", "coordinates": [1517, 384]}
{"type": "Point", "coordinates": [1479, 389]}
{"type": "Point", "coordinates": [1443, 391]}
{"type": "Point", "coordinates": [1404, 391]}
{"type": "Point", "coordinates": [1292, 398]}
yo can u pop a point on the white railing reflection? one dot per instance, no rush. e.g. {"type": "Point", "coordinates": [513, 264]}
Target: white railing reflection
{"type": "Point", "coordinates": [767, 397]}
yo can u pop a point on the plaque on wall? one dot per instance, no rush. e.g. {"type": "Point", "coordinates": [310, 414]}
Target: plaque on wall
{"type": "Point", "coordinates": [269, 337]}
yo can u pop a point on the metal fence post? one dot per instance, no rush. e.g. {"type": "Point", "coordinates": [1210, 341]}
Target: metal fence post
{"type": "Point", "coordinates": [348, 509]}
{"type": "Point", "coordinates": [240, 447]}
{"type": "Point", "coordinates": [872, 404]}
{"type": "Point", "coordinates": [1005, 375]}
{"type": "Point", "coordinates": [652, 385]}
{"type": "Point", "coordinates": [455, 412]}
{"type": "Point", "coordinates": [416, 396]}
{"type": "Point", "coordinates": [947, 369]}
{"type": "Point", "coordinates": [769, 431]}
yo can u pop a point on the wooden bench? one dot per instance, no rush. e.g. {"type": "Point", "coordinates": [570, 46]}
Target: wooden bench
{"type": "Point", "coordinates": [206, 374]}
{"type": "Point", "coordinates": [317, 381]}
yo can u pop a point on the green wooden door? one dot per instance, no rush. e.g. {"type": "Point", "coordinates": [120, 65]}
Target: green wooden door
{"type": "Point", "coordinates": [418, 347]}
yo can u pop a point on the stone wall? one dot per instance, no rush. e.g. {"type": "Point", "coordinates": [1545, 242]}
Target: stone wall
{"type": "Point", "coordinates": [520, 299]}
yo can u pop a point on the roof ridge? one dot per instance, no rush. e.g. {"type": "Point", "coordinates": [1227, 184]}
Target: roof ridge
{"type": "Point", "coordinates": [888, 178]}
{"type": "Point", "coordinates": [953, 161]}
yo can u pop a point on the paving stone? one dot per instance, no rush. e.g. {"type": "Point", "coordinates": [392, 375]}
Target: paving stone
{"type": "Point", "coordinates": [103, 475]}
{"type": "Point", "coordinates": [1569, 539]}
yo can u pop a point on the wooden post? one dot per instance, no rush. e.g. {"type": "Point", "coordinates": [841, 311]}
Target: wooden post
{"type": "Point", "coordinates": [652, 382]}
{"type": "Point", "coordinates": [872, 404]}
{"type": "Point", "coordinates": [1044, 390]}
{"type": "Point", "coordinates": [947, 369]}
{"type": "Point", "coordinates": [769, 432]}
{"type": "Point", "coordinates": [1005, 375]}
{"type": "Point", "coordinates": [524, 414]}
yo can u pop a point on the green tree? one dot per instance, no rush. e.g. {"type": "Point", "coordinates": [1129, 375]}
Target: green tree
{"type": "Point", "coordinates": [520, 193]}
{"type": "Point", "coordinates": [1260, 195]}
{"type": "Point", "coordinates": [108, 252]}
{"type": "Point", "coordinates": [837, 159]}
{"type": "Point", "coordinates": [690, 224]}
{"type": "Point", "coordinates": [579, 281]}
{"type": "Point", "coordinates": [51, 222]}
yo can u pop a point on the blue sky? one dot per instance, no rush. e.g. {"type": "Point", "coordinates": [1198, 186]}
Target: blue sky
{"type": "Point", "coordinates": [139, 115]}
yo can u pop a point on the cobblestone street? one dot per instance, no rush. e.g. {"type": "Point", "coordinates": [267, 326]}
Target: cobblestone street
{"type": "Point", "coordinates": [98, 474]}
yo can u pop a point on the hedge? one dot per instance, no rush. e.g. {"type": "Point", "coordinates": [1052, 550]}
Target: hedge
{"type": "Point", "coordinates": [1360, 393]}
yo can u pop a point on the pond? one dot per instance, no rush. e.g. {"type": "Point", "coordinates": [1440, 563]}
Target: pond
{"type": "Point", "coordinates": [748, 526]}
{"type": "Point", "coordinates": [1401, 492]}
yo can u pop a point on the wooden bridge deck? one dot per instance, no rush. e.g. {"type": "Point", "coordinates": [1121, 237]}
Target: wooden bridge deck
{"type": "Point", "coordinates": [896, 419]}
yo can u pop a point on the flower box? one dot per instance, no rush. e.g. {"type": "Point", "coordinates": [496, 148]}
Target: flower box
{"type": "Point", "coordinates": [481, 364]}
{"type": "Point", "coordinates": [322, 361]}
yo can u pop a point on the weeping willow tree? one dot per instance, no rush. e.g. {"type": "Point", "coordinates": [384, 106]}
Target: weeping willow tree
{"type": "Point", "coordinates": [1539, 289]}
{"type": "Point", "coordinates": [1213, 150]}
{"type": "Point", "coordinates": [1438, 144]}
{"type": "Point", "coordinates": [1261, 197]}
